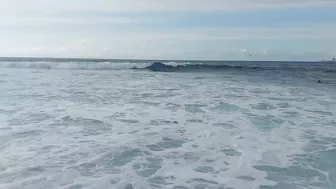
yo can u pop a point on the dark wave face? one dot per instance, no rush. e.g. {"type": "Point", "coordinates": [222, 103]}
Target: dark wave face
{"type": "Point", "coordinates": [162, 67]}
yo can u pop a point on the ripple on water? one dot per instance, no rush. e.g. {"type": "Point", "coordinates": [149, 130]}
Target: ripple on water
{"type": "Point", "coordinates": [112, 162]}
{"type": "Point", "coordinates": [117, 115]}
{"type": "Point", "coordinates": [75, 186]}
{"type": "Point", "coordinates": [246, 178]}
{"type": "Point", "coordinates": [226, 107]}
{"type": "Point", "coordinates": [195, 121]}
{"type": "Point", "coordinates": [321, 112]}
{"type": "Point", "coordinates": [125, 156]}
{"type": "Point", "coordinates": [203, 181]}
{"type": "Point", "coordinates": [28, 172]}
{"type": "Point", "coordinates": [260, 91]}
{"type": "Point", "coordinates": [129, 186]}
{"type": "Point", "coordinates": [231, 152]}
{"type": "Point", "coordinates": [8, 112]}
{"type": "Point", "coordinates": [265, 123]}
{"type": "Point", "coordinates": [283, 105]}
{"type": "Point", "coordinates": [172, 106]}
{"type": "Point", "coordinates": [204, 169]}
{"type": "Point", "coordinates": [28, 133]}
{"type": "Point", "coordinates": [191, 156]}
{"type": "Point", "coordinates": [87, 169]}
{"type": "Point", "coordinates": [180, 187]}
{"type": "Point", "coordinates": [310, 169]}
{"type": "Point", "coordinates": [194, 108]}
{"type": "Point", "coordinates": [166, 143]}
{"type": "Point", "coordinates": [88, 125]}
{"type": "Point", "coordinates": [160, 122]}
{"type": "Point", "coordinates": [82, 121]}
{"type": "Point", "coordinates": [225, 125]}
{"type": "Point", "coordinates": [262, 106]}
{"type": "Point", "coordinates": [291, 114]}
{"type": "Point", "coordinates": [149, 168]}
{"type": "Point", "coordinates": [130, 121]}
{"type": "Point", "coordinates": [151, 103]}
{"type": "Point", "coordinates": [300, 174]}
{"type": "Point", "coordinates": [162, 181]}
{"type": "Point", "coordinates": [29, 119]}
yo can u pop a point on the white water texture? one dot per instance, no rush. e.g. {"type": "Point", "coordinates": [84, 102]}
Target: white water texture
{"type": "Point", "coordinates": [102, 129]}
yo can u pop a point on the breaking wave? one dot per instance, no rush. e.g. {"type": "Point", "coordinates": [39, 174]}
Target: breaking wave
{"type": "Point", "coordinates": [159, 66]}
{"type": "Point", "coordinates": [75, 65]}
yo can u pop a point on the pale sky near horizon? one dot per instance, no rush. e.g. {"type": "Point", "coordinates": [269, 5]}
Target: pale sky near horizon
{"type": "Point", "coordinates": [169, 29]}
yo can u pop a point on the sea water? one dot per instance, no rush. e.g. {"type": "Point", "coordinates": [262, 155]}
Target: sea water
{"type": "Point", "coordinates": [79, 124]}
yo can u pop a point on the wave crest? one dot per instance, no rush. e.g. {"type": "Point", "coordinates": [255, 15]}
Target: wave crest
{"type": "Point", "coordinates": [162, 67]}
{"type": "Point", "coordinates": [158, 66]}
{"type": "Point", "coordinates": [75, 65]}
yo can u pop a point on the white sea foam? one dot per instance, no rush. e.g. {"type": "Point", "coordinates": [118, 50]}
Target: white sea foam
{"type": "Point", "coordinates": [126, 129]}
{"type": "Point", "coordinates": [77, 65]}
{"type": "Point", "coordinates": [74, 65]}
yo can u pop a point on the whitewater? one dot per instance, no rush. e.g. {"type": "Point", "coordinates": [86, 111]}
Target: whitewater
{"type": "Point", "coordinates": [101, 124]}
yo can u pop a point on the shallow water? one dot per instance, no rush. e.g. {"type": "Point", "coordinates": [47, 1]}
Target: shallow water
{"type": "Point", "coordinates": [75, 129]}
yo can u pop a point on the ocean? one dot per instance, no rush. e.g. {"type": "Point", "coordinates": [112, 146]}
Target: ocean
{"type": "Point", "coordinates": [135, 124]}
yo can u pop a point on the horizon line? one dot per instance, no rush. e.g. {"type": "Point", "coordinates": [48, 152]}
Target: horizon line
{"type": "Point", "coordinates": [23, 58]}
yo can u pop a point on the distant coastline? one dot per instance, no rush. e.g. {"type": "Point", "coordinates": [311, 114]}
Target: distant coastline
{"type": "Point", "coordinates": [54, 59]}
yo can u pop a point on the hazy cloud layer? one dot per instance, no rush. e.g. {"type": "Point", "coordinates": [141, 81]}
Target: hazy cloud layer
{"type": "Point", "coordinates": [153, 29]}
{"type": "Point", "coordinates": [205, 43]}
{"type": "Point", "coordinates": [148, 5]}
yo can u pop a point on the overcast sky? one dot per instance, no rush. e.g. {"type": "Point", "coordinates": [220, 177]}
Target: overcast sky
{"type": "Point", "coordinates": [169, 29]}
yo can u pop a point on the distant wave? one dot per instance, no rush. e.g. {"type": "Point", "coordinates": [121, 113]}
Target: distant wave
{"type": "Point", "coordinates": [74, 65]}
{"type": "Point", "coordinates": [157, 66]}
{"type": "Point", "coordinates": [162, 67]}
